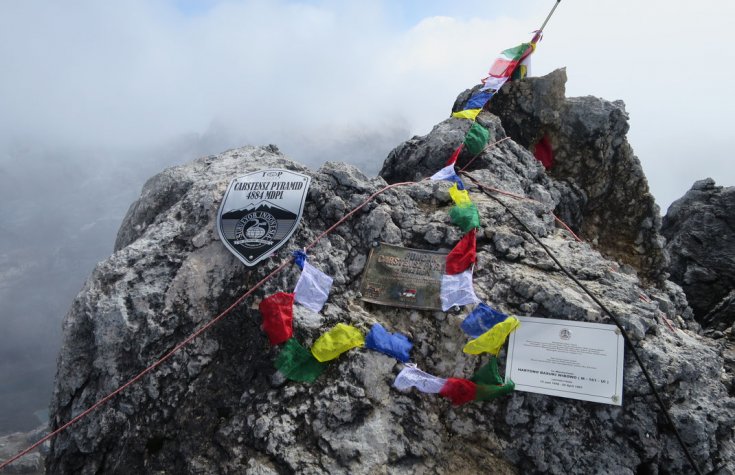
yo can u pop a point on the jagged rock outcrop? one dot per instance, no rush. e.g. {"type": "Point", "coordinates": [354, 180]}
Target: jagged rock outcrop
{"type": "Point", "coordinates": [597, 183]}
{"type": "Point", "coordinates": [700, 229]}
{"type": "Point", "coordinates": [218, 406]}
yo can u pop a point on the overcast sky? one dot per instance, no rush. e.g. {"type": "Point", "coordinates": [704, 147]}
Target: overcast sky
{"type": "Point", "coordinates": [116, 74]}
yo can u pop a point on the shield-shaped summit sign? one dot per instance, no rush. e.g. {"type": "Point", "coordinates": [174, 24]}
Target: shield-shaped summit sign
{"type": "Point", "coordinates": [260, 212]}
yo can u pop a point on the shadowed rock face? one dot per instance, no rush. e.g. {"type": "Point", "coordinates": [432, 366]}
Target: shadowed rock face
{"type": "Point", "coordinates": [592, 155]}
{"type": "Point", "coordinates": [219, 406]}
{"type": "Point", "coordinates": [596, 181]}
{"type": "Point", "coordinates": [700, 229]}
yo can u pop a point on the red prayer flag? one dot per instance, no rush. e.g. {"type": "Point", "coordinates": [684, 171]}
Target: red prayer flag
{"type": "Point", "coordinates": [454, 156]}
{"type": "Point", "coordinates": [463, 255]}
{"type": "Point", "coordinates": [503, 68]}
{"type": "Point", "coordinates": [543, 153]}
{"type": "Point", "coordinates": [277, 312]}
{"type": "Point", "coordinates": [459, 391]}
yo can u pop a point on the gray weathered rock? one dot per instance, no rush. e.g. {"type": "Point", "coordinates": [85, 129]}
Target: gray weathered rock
{"type": "Point", "coordinates": [219, 407]}
{"type": "Point", "coordinates": [31, 464]}
{"type": "Point", "coordinates": [609, 201]}
{"type": "Point", "coordinates": [700, 229]}
{"type": "Point", "coordinates": [597, 184]}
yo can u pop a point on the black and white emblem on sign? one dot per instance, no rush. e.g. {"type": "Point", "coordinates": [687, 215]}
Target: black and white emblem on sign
{"type": "Point", "coordinates": [260, 211]}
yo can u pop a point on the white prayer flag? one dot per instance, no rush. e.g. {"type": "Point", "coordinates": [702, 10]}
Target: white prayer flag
{"type": "Point", "coordinates": [457, 290]}
{"type": "Point", "coordinates": [446, 173]}
{"type": "Point", "coordinates": [411, 376]}
{"type": "Point", "coordinates": [494, 83]}
{"type": "Point", "coordinates": [312, 289]}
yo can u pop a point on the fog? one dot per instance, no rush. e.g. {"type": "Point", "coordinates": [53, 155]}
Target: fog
{"type": "Point", "coordinates": [95, 97]}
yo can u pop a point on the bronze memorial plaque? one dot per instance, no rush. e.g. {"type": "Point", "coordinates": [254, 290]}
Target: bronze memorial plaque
{"type": "Point", "coordinates": [403, 277]}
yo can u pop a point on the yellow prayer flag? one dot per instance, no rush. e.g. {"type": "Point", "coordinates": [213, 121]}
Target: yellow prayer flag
{"type": "Point", "coordinates": [492, 340]}
{"type": "Point", "coordinates": [466, 114]}
{"type": "Point", "coordinates": [336, 341]}
{"type": "Point", "coordinates": [460, 197]}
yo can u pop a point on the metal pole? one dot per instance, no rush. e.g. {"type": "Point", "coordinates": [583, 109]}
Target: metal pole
{"type": "Point", "coordinates": [547, 18]}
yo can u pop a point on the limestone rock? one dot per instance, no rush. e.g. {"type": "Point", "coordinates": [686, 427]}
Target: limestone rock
{"type": "Point", "coordinates": [597, 184]}
{"type": "Point", "coordinates": [218, 405]}
{"type": "Point", "coordinates": [700, 229]}
{"type": "Point", "coordinates": [591, 156]}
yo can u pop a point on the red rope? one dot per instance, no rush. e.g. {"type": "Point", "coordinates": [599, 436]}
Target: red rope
{"type": "Point", "coordinates": [487, 147]}
{"type": "Point", "coordinates": [347, 216]}
{"type": "Point", "coordinates": [526, 198]}
{"type": "Point", "coordinates": [194, 335]}
{"type": "Point", "coordinates": [237, 302]}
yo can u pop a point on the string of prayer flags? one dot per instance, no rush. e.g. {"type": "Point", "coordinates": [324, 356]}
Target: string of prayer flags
{"type": "Point", "coordinates": [465, 217]}
{"type": "Point", "coordinates": [476, 139]}
{"type": "Point", "coordinates": [277, 313]}
{"type": "Point", "coordinates": [297, 363]}
{"type": "Point", "coordinates": [488, 373]}
{"type": "Point", "coordinates": [491, 83]}
{"type": "Point", "coordinates": [336, 341]}
{"type": "Point", "coordinates": [299, 257]}
{"type": "Point", "coordinates": [459, 391]}
{"type": "Point", "coordinates": [412, 377]}
{"type": "Point", "coordinates": [460, 197]}
{"type": "Point", "coordinates": [312, 288]}
{"type": "Point", "coordinates": [463, 255]}
{"type": "Point", "coordinates": [453, 159]}
{"type": "Point", "coordinates": [509, 59]}
{"type": "Point", "coordinates": [486, 392]}
{"type": "Point", "coordinates": [481, 319]}
{"type": "Point", "coordinates": [457, 290]}
{"type": "Point", "coordinates": [396, 345]}
{"type": "Point", "coordinates": [524, 66]}
{"type": "Point", "coordinates": [447, 173]}
{"type": "Point", "coordinates": [470, 114]}
{"type": "Point", "coordinates": [492, 340]}
{"type": "Point", "coordinates": [478, 100]}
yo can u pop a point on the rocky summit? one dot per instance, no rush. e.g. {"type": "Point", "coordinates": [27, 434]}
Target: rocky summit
{"type": "Point", "coordinates": [700, 228]}
{"type": "Point", "coordinates": [219, 405]}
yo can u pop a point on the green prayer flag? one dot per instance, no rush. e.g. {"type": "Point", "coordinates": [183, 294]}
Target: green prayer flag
{"type": "Point", "coordinates": [476, 139]}
{"type": "Point", "coordinates": [515, 53]}
{"type": "Point", "coordinates": [485, 392]}
{"type": "Point", "coordinates": [465, 217]}
{"type": "Point", "coordinates": [297, 363]}
{"type": "Point", "coordinates": [488, 374]}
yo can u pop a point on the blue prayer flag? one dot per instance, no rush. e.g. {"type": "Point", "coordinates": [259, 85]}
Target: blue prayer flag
{"type": "Point", "coordinates": [396, 345]}
{"type": "Point", "coordinates": [299, 257]}
{"type": "Point", "coordinates": [481, 319]}
{"type": "Point", "coordinates": [479, 100]}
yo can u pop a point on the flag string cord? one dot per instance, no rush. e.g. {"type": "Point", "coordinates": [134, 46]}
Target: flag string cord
{"type": "Point", "coordinates": [198, 332]}
{"type": "Point", "coordinates": [664, 410]}
{"type": "Point", "coordinates": [235, 304]}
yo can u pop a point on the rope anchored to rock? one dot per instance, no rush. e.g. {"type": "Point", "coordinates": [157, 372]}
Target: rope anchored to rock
{"type": "Point", "coordinates": [613, 317]}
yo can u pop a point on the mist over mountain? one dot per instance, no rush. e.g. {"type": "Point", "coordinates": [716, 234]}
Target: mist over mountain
{"type": "Point", "coordinates": [62, 207]}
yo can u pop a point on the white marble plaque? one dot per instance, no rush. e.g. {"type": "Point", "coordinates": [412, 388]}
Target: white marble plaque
{"type": "Point", "coordinates": [577, 360]}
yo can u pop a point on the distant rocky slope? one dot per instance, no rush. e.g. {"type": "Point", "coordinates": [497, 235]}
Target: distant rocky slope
{"type": "Point", "coordinates": [700, 228]}
{"type": "Point", "coordinates": [220, 407]}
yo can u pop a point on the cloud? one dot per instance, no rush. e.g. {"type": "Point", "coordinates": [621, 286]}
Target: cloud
{"type": "Point", "coordinates": [116, 73]}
